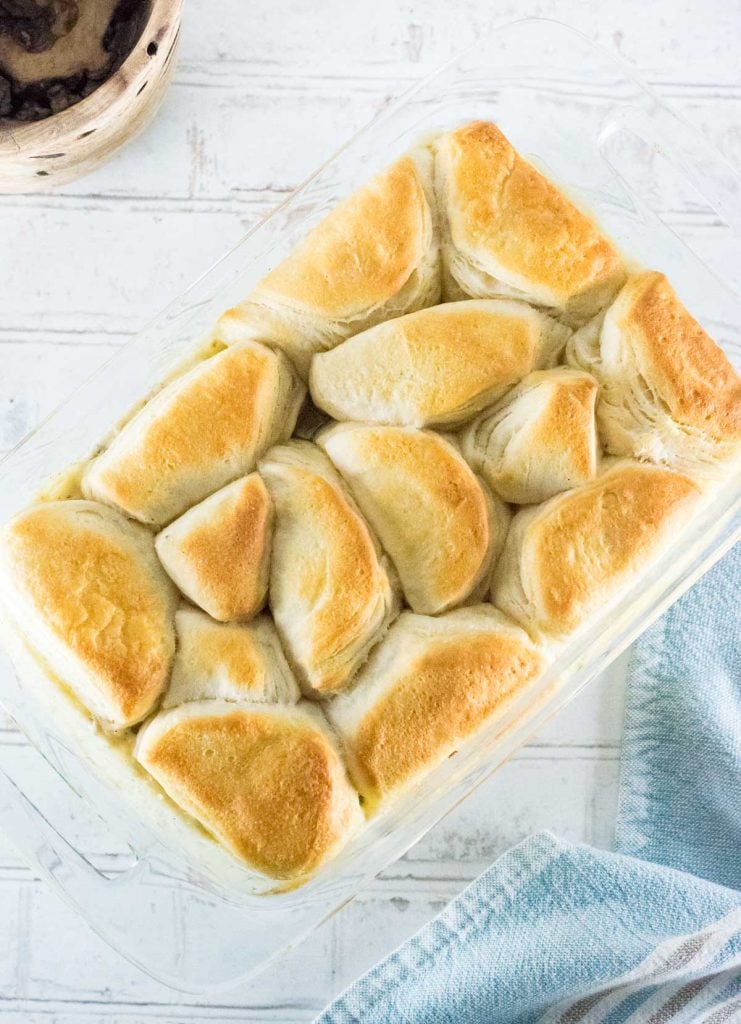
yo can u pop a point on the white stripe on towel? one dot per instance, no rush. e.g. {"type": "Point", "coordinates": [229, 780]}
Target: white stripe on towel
{"type": "Point", "coordinates": [681, 959]}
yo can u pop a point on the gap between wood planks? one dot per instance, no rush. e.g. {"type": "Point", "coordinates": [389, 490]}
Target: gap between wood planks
{"type": "Point", "coordinates": [374, 77]}
{"type": "Point", "coordinates": [56, 1011]}
{"type": "Point", "coordinates": [262, 199]}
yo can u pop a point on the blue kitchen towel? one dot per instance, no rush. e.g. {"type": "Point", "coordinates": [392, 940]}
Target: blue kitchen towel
{"type": "Point", "coordinates": [557, 933]}
{"type": "Point", "coordinates": [680, 786]}
{"type": "Point", "coordinates": [560, 933]}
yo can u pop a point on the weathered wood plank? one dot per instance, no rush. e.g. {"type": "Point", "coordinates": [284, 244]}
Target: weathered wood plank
{"type": "Point", "coordinates": [39, 376]}
{"type": "Point", "coordinates": [244, 134]}
{"type": "Point", "coordinates": [43, 1011]}
{"type": "Point", "coordinates": [391, 35]}
{"type": "Point", "coordinates": [12, 935]}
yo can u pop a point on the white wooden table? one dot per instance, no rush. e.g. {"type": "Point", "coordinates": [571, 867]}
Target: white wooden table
{"type": "Point", "coordinates": [263, 92]}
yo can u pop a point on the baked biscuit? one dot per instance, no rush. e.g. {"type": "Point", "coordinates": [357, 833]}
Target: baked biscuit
{"type": "Point", "coordinates": [266, 780]}
{"type": "Point", "coordinates": [218, 552]}
{"type": "Point", "coordinates": [201, 431]}
{"type": "Point", "coordinates": [330, 590]}
{"type": "Point", "coordinates": [232, 661]}
{"type": "Point", "coordinates": [508, 232]}
{"type": "Point", "coordinates": [435, 519]}
{"type": "Point", "coordinates": [85, 588]}
{"type": "Point", "coordinates": [564, 560]}
{"type": "Point", "coordinates": [541, 438]}
{"type": "Point", "coordinates": [430, 685]}
{"type": "Point", "coordinates": [667, 392]}
{"type": "Point", "coordinates": [375, 256]}
{"type": "Point", "coordinates": [437, 367]}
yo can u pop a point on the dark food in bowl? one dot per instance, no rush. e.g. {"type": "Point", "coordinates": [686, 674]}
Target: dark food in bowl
{"type": "Point", "coordinates": [54, 53]}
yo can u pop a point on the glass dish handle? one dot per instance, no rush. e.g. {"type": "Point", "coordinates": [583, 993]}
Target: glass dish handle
{"type": "Point", "coordinates": [155, 919]}
{"type": "Point", "coordinates": [138, 918]}
{"type": "Point", "coordinates": [68, 871]}
{"type": "Point", "coordinates": [688, 153]}
{"type": "Point", "coordinates": [709, 172]}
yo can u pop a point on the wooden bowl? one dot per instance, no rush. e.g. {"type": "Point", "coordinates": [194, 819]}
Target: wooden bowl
{"type": "Point", "coordinates": [41, 154]}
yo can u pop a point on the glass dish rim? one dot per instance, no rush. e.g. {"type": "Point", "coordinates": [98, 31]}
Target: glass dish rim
{"type": "Point", "coordinates": [692, 570]}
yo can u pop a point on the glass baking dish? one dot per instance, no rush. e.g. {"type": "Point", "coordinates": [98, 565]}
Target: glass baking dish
{"type": "Point", "coordinates": [585, 119]}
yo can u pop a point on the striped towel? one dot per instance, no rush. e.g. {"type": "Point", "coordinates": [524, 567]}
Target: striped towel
{"type": "Point", "coordinates": [557, 933]}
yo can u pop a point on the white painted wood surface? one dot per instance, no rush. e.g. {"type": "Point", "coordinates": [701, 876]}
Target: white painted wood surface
{"type": "Point", "coordinates": [262, 94]}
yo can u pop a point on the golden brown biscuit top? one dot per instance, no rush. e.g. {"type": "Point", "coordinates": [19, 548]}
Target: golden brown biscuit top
{"type": "Point", "coordinates": [690, 372]}
{"type": "Point", "coordinates": [454, 349]}
{"type": "Point", "coordinates": [431, 365]}
{"type": "Point", "coordinates": [338, 579]}
{"type": "Point", "coordinates": [223, 647]}
{"type": "Point", "coordinates": [539, 439]}
{"type": "Point", "coordinates": [430, 491]}
{"type": "Point", "coordinates": [446, 693]}
{"type": "Point", "coordinates": [593, 536]}
{"type": "Point", "coordinates": [226, 554]}
{"type": "Point", "coordinates": [502, 207]}
{"type": "Point", "coordinates": [96, 594]}
{"type": "Point", "coordinates": [217, 412]}
{"type": "Point", "coordinates": [266, 786]}
{"type": "Point", "coordinates": [568, 420]}
{"type": "Point", "coordinates": [362, 253]}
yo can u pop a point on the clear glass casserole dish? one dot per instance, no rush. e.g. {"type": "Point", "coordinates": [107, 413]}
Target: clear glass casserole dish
{"type": "Point", "coordinates": [616, 151]}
